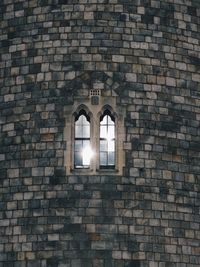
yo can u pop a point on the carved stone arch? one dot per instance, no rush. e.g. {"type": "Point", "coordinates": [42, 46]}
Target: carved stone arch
{"type": "Point", "coordinates": [85, 110]}
{"type": "Point", "coordinates": [110, 110]}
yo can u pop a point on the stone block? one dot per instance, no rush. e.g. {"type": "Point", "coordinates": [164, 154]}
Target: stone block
{"type": "Point", "coordinates": [118, 58]}
{"type": "Point", "coordinates": [144, 52]}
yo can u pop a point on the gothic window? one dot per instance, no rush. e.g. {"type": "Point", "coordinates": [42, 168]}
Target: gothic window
{"type": "Point", "coordinates": [82, 140]}
{"type": "Point", "coordinates": [107, 141]}
{"type": "Point", "coordinates": [94, 135]}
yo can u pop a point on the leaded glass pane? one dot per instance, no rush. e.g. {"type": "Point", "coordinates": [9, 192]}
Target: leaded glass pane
{"type": "Point", "coordinates": [103, 145]}
{"type": "Point", "coordinates": [111, 146]}
{"type": "Point", "coordinates": [103, 131]}
{"type": "Point", "coordinates": [77, 159]}
{"type": "Point", "coordinates": [86, 143]}
{"type": "Point", "coordinates": [78, 131]}
{"type": "Point", "coordinates": [111, 132]}
{"type": "Point", "coordinates": [107, 141]}
{"type": "Point", "coordinates": [80, 120]}
{"type": "Point", "coordinates": [84, 120]}
{"type": "Point", "coordinates": [82, 150]}
{"type": "Point", "coordinates": [86, 131]}
{"type": "Point", "coordinates": [110, 121]}
{"type": "Point", "coordinates": [111, 158]}
{"type": "Point", "coordinates": [78, 145]}
{"type": "Point", "coordinates": [103, 158]}
{"type": "Point", "coordinates": [104, 121]}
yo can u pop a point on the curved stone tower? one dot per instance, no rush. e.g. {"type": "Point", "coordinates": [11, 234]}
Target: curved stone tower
{"type": "Point", "coordinates": [144, 57]}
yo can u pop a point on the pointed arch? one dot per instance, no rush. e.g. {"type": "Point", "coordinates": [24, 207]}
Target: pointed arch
{"type": "Point", "coordinates": [107, 108]}
{"type": "Point", "coordinates": [107, 139]}
{"type": "Point", "coordinates": [82, 136]}
{"type": "Point", "coordinates": [82, 109]}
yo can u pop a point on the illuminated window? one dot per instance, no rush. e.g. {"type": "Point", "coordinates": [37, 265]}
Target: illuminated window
{"type": "Point", "coordinates": [94, 135]}
{"type": "Point", "coordinates": [107, 140]}
{"type": "Point", "coordinates": [82, 148]}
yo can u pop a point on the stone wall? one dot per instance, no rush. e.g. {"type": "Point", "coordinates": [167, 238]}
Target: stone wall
{"type": "Point", "coordinates": [148, 52]}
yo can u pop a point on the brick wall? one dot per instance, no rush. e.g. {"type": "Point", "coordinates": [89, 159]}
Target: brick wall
{"type": "Point", "coordinates": [148, 52]}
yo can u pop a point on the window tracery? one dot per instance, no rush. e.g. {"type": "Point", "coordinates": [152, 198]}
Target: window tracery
{"type": "Point", "coordinates": [107, 140]}
{"type": "Point", "coordinates": [94, 135]}
{"type": "Point", "coordinates": [82, 140]}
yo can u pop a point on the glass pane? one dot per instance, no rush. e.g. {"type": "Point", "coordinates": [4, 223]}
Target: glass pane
{"type": "Point", "coordinates": [111, 158]}
{"type": "Point", "coordinates": [103, 131]}
{"type": "Point", "coordinates": [84, 120]}
{"type": "Point", "coordinates": [103, 158]}
{"type": "Point", "coordinates": [86, 153]}
{"type": "Point", "coordinates": [107, 146]}
{"type": "Point", "coordinates": [111, 132]}
{"type": "Point", "coordinates": [82, 127]}
{"type": "Point", "coordinates": [110, 121]}
{"type": "Point", "coordinates": [82, 150]}
{"type": "Point", "coordinates": [104, 121]}
{"type": "Point", "coordinates": [86, 143]}
{"type": "Point", "coordinates": [80, 120]}
{"type": "Point", "coordinates": [103, 145]}
{"type": "Point", "coordinates": [78, 131]}
{"type": "Point", "coordinates": [86, 131]}
{"type": "Point", "coordinates": [86, 159]}
{"type": "Point", "coordinates": [111, 145]}
{"type": "Point", "coordinates": [78, 145]}
{"type": "Point", "coordinates": [77, 159]}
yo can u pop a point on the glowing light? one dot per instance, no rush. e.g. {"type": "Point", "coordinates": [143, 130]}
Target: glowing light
{"type": "Point", "coordinates": [109, 136]}
{"type": "Point", "coordinates": [87, 154]}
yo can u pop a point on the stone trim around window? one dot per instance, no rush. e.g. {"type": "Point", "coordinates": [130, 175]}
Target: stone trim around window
{"type": "Point", "coordinates": [94, 105]}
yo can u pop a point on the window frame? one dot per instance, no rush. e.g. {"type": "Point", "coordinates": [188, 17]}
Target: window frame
{"type": "Point", "coordinates": [107, 109]}
{"type": "Point", "coordinates": [81, 138]}
{"type": "Point", "coordinates": [95, 112]}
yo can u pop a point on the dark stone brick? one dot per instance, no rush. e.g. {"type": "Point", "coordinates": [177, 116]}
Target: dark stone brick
{"type": "Point", "coordinates": [123, 17]}
{"type": "Point", "coordinates": [54, 180]}
{"type": "Point", "coordinates": [3, 173]}
{"type": "Point", "coordinates": [34, 204]}
{"type": "Point", "coordinates": [8, 264]}
{"type": "Point", "coordinates": [148, 19]}
{"type": "Point", "coordinates": [169, 126]}
{"type": "Point", "coordinates": [12, 256]}
{"type": "Point", "coordinates": [2, 204]}
{"type": "Point", "coordinates": [72, 228]}
{"type": "Point", "coordinates": [179, 233]}
{"type": "Point", "coordinates": [133, 263]}
{"type": "Point", "coordinates": [192, 10]}
{"type": "Point", "coordinates": [35, 68]}
{"type": "Point", "coordinates": [164, 191]}
{"type": "Point", "coordinates": [32, 52]}
{"type": "Point", "coordinates": [195, 146]}
{"type": "Point", "coordinates": [125, 67]}
{"type": "Point", "coordinates": [133, 246]}
{"type": "Point", "coordinates": [5, 43]}
{"type": "Point", "coordinates": [34, 263]}
{"type": "Point", "coordinates": [42, 2]}
{"type": "Point", "coordinates": [195, 61]}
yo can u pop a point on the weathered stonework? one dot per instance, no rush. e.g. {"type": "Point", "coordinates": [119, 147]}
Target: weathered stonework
{"type": "Point", "coordinates": [147, 51]}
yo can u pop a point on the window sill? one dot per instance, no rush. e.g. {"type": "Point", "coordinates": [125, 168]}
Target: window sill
{"type": "Point", "coordinates": [93, 172]}
{"type": "Point", "coordinates": [81, 170]}
{"type": "Point", "coordinates": [107, 170]}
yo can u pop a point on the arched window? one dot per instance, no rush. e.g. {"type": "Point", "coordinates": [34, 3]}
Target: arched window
{"type": "Point", "coordinates": [107, 140]}
{"type": "Point", "coordinates": [82, 140]}
{"type": "Point", "coordinates": [95, 134]}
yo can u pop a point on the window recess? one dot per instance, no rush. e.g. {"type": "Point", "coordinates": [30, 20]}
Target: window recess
{"type": "Point", "coordinates": [107, 141]}
{"type": "Point", "coordinates": [82, 147]}
{"type": "Point", "coordinates": [94, 135]}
